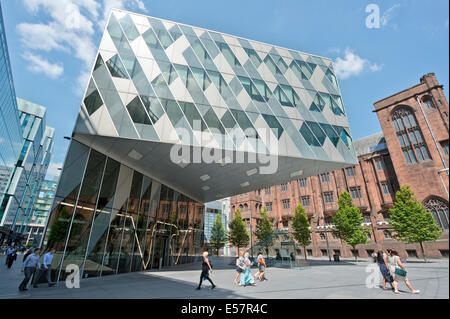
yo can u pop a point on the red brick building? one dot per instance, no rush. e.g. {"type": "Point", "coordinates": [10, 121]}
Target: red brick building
{"type": "Point", "coordinates": [412, 150]}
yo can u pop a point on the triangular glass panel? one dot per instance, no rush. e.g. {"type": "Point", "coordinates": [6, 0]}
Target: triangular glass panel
{"type": "Point", "coordinates": [330, 75]}
{"type": "Point", "coordinates": [228, 54]}
{"type": "Point", "coordinates": [129, 28]}
{"type": "Point", "coordinates": [116, 67]}
{"type": "Point", "coordinates": [175, 32]}
{"type": "Point", "coordinates": [153, 107]}
{"type": "Point", "coordinates": [314, 107]}
{"type": "Point", "coordinates": [253, 56]}
{"type": "Point", "coordinates": [99, 62]}
{"type": "Point", "coordinates": [137, 112]}
{"type": "Point", "coordinates": [93, 101]}
{"type": "Point", "coordinates": [274, 125]}
{"type": "Point", "coordinates": [213, 122]}
{"type": "Point", "coordinates": [228, 120]}
{"type": "Point", "coordinates": [308, 135]}
{"type": "Point", "coordinates": [193, 116]}
{"type": "Point", "coordinates": [331, 133]}
{"type": "Point", "coordinates": [151, 39]}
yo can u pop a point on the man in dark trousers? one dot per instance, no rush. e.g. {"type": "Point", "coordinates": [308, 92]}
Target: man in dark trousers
{"type": "Point", "coordinates": [46, 269]}
{"type": "Point", "coordinates": [29, 267]}
{"type": "Point", "coordinates": [11, 256]}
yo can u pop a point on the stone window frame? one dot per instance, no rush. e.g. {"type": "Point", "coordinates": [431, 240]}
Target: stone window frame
{"type": "Point", "coordinates": [405, 124]}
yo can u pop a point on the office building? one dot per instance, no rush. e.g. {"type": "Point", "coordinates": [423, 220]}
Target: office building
{"type": "Point", "coordinates": [175, 116]}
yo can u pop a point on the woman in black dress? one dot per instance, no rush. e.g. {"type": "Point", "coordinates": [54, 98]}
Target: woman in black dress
{"type": "Point", "coordinates": [206, 268]}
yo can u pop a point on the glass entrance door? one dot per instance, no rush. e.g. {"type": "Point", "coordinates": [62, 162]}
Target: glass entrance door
{"type": "Point", "coordinates": [160, 252]}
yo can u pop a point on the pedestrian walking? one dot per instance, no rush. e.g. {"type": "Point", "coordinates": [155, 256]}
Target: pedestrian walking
{"type": "Point", "coordinates": [28, 253]}
{"type": "Point", "coordinates": [29, 267]}
{"type": "Point", "coordinates": [206, 268]}
{"type": "Point", "coordinates": [240, 267]}
{"type": "Point", "coordinates": [384, 269]}
{"type": "Point", "coordinates": [11, 256]}
{"type": "Point", "coordinates": [46, 269]}
{"type": "Point", "coordinates": [246, 276]}
{"type": "Point", "coordinates": [400, 273]}
{"type": "Point", "coordinates": [261, 267]}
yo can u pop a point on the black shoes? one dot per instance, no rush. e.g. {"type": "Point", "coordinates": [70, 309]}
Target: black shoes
{"type": "Point", "coordinates": [51, 285]}
{"type": "Point", "coordinates": [213, 286]}
{"type": "Point", "coordinates": [198, 288]}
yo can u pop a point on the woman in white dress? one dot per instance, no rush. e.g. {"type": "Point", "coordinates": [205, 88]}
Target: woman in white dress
{"type": "Point", "coordinates": [400, 272]}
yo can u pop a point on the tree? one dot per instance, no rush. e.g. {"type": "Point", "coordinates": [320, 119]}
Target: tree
{"type": "Point", "coordinates": [347, 222]}
{"type": "Point", "coordinates": [59, 229]}
{"type": "Point", "coordinates": [410, 221]}
{"type": "Point", "coordinates": [301, 228]}
{"type": "Point", "coordinates": [264, 230]}
{"type": "Point", "coordinates": [218, 234]}
{"type": "Point", "coordinates": [239, 236]}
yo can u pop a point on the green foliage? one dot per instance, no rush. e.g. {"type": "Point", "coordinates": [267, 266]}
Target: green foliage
{"type": "Point", "coordinates": [239, 236]}
{"type": "Point", "coordinates": [347, 222]}
{"type": "Point", "coordinates": [301, 228]}
{"type": "Point", "coordinates": [410, 221]}
{"type": "Point", "coordinates": [218, 234]}
{"type": "Point", "coordinates": [264, 230]}
{"type": "Point", "coordinates": [59, 229]}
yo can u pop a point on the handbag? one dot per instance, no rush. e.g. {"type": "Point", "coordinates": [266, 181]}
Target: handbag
{"type": "Point", "coordinates": [400, 272]}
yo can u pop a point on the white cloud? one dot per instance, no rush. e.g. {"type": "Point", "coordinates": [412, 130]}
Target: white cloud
{"type": "Point", "coordinates": [70, 27]}
{"type": "Point", "coordinates": [53, 170]}
{"type": "Point", "coordinates": [353, 65]}
{"type": "Point", "coordinates": [119, 4]}
{"type": "Point", "coordinates": [388, 15]}
{"type": "Point", "coordinates": [39, 65]}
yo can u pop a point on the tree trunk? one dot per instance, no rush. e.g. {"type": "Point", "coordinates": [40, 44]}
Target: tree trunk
{"type": "Point", "coordinates": [356, 255]}
{"type": "Point", "coordinates": [304, 252]}
{"type": "Point", "coordinates": [423, 252]}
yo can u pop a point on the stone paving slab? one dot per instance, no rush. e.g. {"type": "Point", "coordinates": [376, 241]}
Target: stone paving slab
{"type": "Point", "coordinates": [321, 280]}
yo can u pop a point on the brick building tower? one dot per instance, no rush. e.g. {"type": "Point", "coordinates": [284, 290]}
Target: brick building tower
{"type": "Point", "coordinates": [415, 125]}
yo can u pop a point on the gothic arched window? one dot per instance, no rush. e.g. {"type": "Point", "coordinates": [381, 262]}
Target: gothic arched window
{"type": "Point", "coordinates": [410, 136]}
{"type": "Point", "coordinates": [439, 210]}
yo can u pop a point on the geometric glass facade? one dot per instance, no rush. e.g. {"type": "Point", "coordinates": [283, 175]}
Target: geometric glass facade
{"type": "Point", "coordinates": [10, 130]}
{"type": "Point", "coordinates": [162, 83]}
{"type": "Point", "coordinates": [129, 198]}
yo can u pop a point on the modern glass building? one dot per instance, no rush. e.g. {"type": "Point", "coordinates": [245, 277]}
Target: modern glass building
{"type": "Point", "coordinates": [10, 129]}
{"type": "Point", "coordinates": [30, 167]}
{"type": "Point", "coordinates": [212, 209]}
{"type": "Point", "coordinates": [44, 202]}
{"type": "Point", "coordinates": [36, 224]}
{"type": "Point", "coordinates": [175, 116]}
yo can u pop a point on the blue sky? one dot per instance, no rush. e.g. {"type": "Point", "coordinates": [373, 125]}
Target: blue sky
{"type": "Point", "coordinates": [52, 45]}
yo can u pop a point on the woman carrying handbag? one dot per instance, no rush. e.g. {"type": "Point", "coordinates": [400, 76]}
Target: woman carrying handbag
{"type": "Point", "coordinates": [400, 273]}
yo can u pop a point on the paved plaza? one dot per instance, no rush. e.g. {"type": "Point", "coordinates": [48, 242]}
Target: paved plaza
{"type": "Point", "coordinates": [321, 280]}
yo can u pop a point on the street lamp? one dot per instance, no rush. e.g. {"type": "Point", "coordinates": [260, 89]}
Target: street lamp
{"type": "Point", "coordinates": [251, 234]}
{"type": "Point", "coordinates": [325, 228]}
